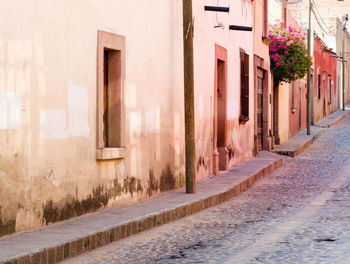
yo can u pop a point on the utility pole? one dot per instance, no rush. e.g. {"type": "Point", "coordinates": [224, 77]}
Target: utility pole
{"type": "Point", "coordinates": [189, 96]}
{"type": "Point", "coordinates": [343, 67]}
{"type": "Point", "coordinates": [309, 92]}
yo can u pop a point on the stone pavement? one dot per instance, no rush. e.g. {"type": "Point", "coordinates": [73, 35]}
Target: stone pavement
{"type": "Point", "coordinates": [301, 141]}
{"type": "Point", "coordinates": [299, 213]}
{"type": "Point", "coordinates": [75, 236]}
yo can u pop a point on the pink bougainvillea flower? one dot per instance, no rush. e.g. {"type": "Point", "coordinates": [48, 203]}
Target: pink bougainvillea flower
{"type": "Point", "coordinates": [285, 52]}
{"type": "Point", "coordinates": [293, 61]}
{"type": "Point", "coordinates": [291, 74]}
{"type": "Point", "coordinates": [277, 64]}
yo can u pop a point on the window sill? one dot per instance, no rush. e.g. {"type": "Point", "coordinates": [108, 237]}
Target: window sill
{"type": "Point", "coordinates": [243, 119]}
{"type": "Point", "coordinates": [110, 153]}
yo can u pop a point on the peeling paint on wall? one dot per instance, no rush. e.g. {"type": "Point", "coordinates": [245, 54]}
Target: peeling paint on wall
{"type": "Point", "coordinates": [53, 124]}
{"type": "Point", "coordinates": [78, 111]}
{"type": "Point", "coordinates": [10, 110]}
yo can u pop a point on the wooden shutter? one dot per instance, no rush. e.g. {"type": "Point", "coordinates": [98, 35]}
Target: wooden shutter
{"type": "Point", "coordinates": [244, 60]}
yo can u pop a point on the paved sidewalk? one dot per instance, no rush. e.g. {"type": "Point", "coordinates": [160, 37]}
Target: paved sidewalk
{"type": "Point", "coordinates": [69, 238]}
{"type": "Point", "coordinates": [333, 119]}
{"type": "Point", "coordinates": [301, 141]}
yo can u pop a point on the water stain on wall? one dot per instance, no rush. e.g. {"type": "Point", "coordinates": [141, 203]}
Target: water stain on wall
{"type": "Point", "coordinates": [6, 226]}
{"type": "Point", "coordinates": [71, 206]}
{"type": "Point", "coordinates": [153, 184]}
{"type": "Point", "coordinates": [132, 185]}
{"type": "Point", "coordinates": [201, 163]}
{"type": "Point", "coordinates": [167, 180]}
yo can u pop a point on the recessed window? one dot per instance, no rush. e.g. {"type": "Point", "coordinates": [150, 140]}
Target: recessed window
{"type": "Point", "coordinates": [110, 80]}
{"type": "Point", "coordinates": [331, 87]}
{"type": "Point", "coordinates": [318, 86]}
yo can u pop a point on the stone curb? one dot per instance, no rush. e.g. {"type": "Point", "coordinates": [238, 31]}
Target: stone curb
{"type": "Point", "coordinates": [302, 147]}
{"type": "Point", "coordinates": [333, 122]}
{"type": "Point", "coordinates": [85, 244]}
{"type": "Point", "coordinates": [307, 143]}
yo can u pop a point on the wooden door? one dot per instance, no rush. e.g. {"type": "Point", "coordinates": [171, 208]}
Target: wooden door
{"type": "Point", "coordinates": [259, 110]}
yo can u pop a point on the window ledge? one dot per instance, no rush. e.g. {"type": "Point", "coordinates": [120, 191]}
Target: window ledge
{"type": "Point", "coordinates": [110, 153]}
{"type": "Point", "coordinates": [243, 119]}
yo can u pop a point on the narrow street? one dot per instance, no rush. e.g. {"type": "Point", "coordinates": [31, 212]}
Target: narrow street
{"type": "Point", "coordinates": [298, 214]}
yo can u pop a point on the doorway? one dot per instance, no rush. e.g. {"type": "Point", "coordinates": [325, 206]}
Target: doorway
{"type": "Point", "coordinates": [259, 109]}
{"type": "Point", "coordinates": [220, 153]}
{"type": "Point", "coordinates": [221, 114]}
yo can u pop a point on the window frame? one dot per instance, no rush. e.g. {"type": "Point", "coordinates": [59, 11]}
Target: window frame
{"type": "Point", "coordinates": [319, 86]}
{"type": "Point", "coordinates": [110, 42]}
{"type": "Point", "coordinates": [244, 87]}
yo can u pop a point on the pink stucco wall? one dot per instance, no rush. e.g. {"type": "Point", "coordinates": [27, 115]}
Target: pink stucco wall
{"type": "Point", "coordinates": [326, 66]}
{"type": "Point", "coordinates": [239, 138]}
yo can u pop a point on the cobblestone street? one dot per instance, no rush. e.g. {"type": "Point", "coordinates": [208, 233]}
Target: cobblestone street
{"type": "Point", "coordinates": [297, 214]}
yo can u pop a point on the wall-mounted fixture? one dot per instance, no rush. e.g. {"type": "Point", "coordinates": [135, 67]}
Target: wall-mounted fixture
{"type": "Point", "coordinates": [242, 28]}
{"type": "Point", "coordinates": [217, 9]}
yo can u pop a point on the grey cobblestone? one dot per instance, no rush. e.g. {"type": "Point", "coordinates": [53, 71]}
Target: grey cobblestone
{"type": "Point", "coordinates": [259, 224]}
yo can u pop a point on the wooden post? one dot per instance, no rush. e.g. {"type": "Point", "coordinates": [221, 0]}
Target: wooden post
{"type": "Point", "coordinates": [310, 96]}
{"type": "Point", "coordinates": [189, 96]}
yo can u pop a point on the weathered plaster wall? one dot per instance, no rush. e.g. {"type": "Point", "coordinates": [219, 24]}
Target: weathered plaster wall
{"type": "Point", "coordinates": [240, 138]}
{"type": "Point", "coordinates": [261, 49]}
{"type": "Point", "coordinates": [324, 64]}
{"type": "Point", "coordinates": [300, 91]}
{"type": "Point", "coordinates": [48, 167]}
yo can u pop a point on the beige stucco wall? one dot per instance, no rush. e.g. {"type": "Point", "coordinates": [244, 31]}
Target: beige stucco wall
{"type": "Point", "coordinates": [283, 112]}
{"type": "Point", "coordinates": [239, 137]}
{"type": "Point", "coordinates": [48, 167]}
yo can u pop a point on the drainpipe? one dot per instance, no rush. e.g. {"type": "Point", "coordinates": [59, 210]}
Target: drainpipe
{"type": "Point", "coordinates": [189, 96]}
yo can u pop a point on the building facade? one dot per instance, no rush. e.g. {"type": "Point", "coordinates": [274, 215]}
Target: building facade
{"type": "Point", "coordinates": [92, 105]}
{"type": "Point", "coordinates": [263, 83]}
{"type": "Point", "coordinates": [324, 79]}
